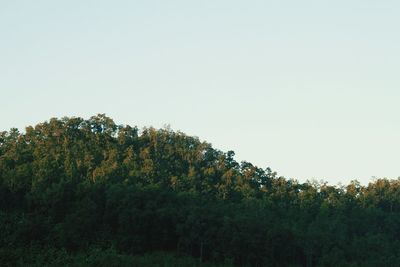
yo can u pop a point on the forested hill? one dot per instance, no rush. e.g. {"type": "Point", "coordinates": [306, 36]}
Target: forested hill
{"type": "Point", "coordinates": [76, 192]}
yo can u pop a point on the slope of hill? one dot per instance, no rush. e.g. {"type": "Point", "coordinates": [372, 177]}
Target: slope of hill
{"type": "Point", "coordinates": [92, 193]}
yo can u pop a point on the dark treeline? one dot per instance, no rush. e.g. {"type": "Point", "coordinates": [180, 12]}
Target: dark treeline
{"type": "Point", "coordinates": [92, 193]}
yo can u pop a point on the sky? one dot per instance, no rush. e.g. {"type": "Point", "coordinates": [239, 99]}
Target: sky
{"type": "Point", "coordinates": [308, 88]}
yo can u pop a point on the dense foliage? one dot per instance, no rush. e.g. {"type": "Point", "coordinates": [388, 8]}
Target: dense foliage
{"type": "Point", "coordinates": [92, 193]}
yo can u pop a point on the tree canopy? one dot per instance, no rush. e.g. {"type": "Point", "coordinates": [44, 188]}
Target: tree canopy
{"type": "Point", "coordinates": [73, 189]}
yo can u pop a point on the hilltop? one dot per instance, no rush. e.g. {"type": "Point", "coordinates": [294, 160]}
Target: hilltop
{"type": "Point", "coordinates": [89, 192]}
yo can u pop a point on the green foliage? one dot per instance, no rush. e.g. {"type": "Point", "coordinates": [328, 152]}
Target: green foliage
{"type": "Point", "coordinates": [96, 257]}
{"type": "Point", "coordinates": [103, 194]}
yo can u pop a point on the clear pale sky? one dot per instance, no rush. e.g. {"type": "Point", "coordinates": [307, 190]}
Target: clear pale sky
{"type": "Point", "coordinates": [308, 88]}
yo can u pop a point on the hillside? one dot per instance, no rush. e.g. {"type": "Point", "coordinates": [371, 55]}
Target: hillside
{"type": "Point", "coordinates": [90, 192]}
